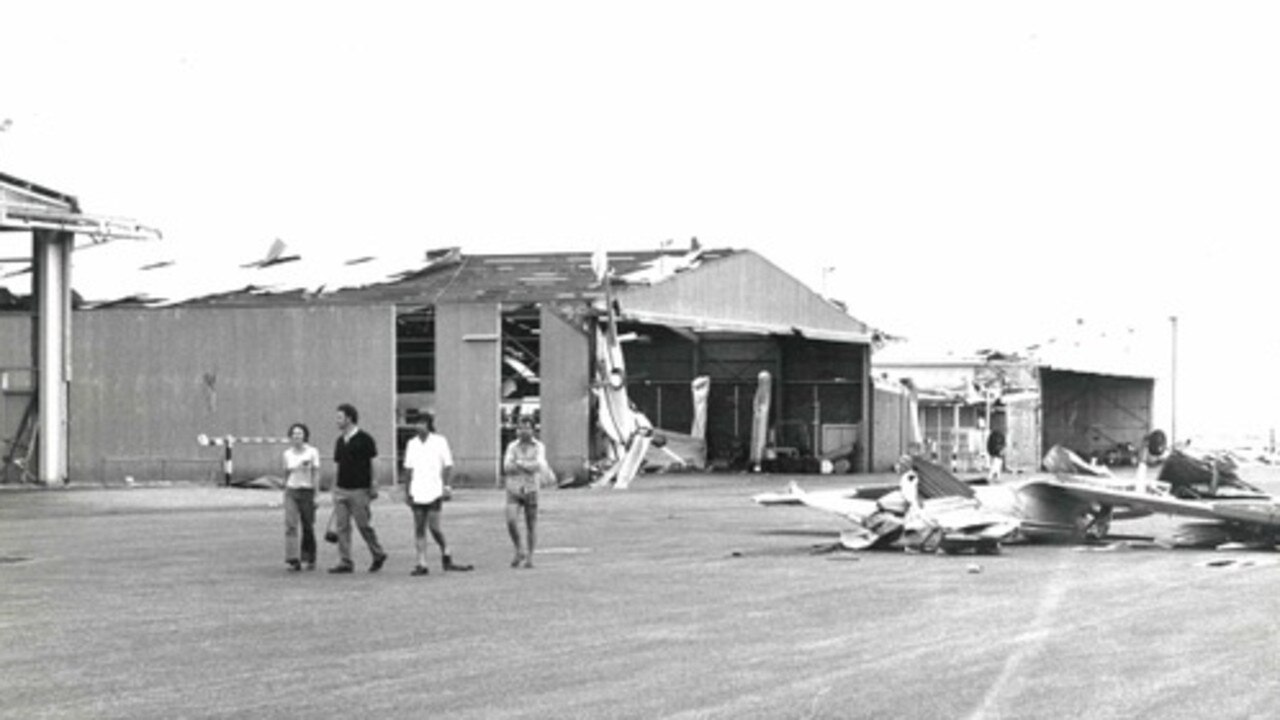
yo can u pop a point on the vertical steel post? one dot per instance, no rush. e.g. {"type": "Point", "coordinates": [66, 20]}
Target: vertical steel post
{"type": "Point", "coordinates": [51, 251]}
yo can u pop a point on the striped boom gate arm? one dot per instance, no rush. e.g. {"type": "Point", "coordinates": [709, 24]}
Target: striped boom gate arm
{"type": "Point", "coordinates": [227, 442]}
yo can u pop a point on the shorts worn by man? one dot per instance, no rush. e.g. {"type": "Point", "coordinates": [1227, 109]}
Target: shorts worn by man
{"type": "Point", "coordinates": [429, 464]}
{"type": "Point", "coordinates": [355, 490]}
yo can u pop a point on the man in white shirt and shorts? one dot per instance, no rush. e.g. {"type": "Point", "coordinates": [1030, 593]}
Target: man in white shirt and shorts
{"type": "Point", "coordinates": [428, 464]}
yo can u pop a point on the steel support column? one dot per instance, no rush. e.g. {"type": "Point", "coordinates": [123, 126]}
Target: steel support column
{"type": "Point", "coordinates": [51, 251]}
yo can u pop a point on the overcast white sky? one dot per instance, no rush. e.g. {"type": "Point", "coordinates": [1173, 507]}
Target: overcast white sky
{"type": "Point", "coordinates": [977, 173]}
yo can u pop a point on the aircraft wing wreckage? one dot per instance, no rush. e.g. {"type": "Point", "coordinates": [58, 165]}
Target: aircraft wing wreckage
{"type": "Point", "coordinates": [1075, 504]}
{"type": "Point", "coordinates": [904, 519]}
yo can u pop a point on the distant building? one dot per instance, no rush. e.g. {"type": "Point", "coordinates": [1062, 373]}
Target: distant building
{"type": "Point", "coordinates": [1098, 405]}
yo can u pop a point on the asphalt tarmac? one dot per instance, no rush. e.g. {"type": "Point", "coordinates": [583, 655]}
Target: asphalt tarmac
{"type": "Point", "coordinates": [678, 598]}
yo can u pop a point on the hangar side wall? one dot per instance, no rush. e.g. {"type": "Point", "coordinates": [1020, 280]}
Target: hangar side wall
{"type": "Point", "coordinates": [1023, 451]}
{"type": "Point", "coordinates": [146, 382]}
{"type": "Point", "coordinates": [892, 428]}
{"type": "Point", "coordinates": [17, 375]}
{"type": "Point", "coordinates": [891, 436]}
{"type": "Point", "coordinates": [468, 368]}
{"type": "Point", "coordinates": [1091, 413]}
{"type": "Point", "coordinates": [565, 394]}
{"type": "Point", "coordinates": [15, 340]}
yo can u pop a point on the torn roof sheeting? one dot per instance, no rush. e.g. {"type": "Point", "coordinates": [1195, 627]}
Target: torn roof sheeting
{"type": "Point", "coordinates": [704, 290]}
{"type": "Point", "coordinates": [157, 276]}
{"type": "Point", "coordinates": [663, 267]}
{"type": "Point", "coordinates": [448, 276]}
{"type": "Point", "coordinates": [162, 281]}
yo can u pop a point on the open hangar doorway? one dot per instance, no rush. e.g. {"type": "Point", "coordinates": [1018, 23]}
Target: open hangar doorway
{"type": "Point", "coordinates": [1098, 416]}
{"type": "Point", "coordinates": [518, 381]}
{"type": "Point", "coordinates": [818, 401]}
{"type": "Point", "coordinates": [415, 371]}
{"type": "Point", "coordinates": [520, 371]}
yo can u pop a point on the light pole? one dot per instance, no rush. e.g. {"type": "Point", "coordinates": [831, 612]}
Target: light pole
{"type": "Point", "coordinates": [1173, 380]}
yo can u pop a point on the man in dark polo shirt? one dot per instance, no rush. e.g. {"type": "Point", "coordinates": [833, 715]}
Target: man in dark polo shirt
{"type": "Point", "coordinates": [355, 489]}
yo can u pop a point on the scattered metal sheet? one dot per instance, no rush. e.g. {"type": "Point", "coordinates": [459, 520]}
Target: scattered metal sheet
{"type": "Point", "coordinates": [1237, 563]}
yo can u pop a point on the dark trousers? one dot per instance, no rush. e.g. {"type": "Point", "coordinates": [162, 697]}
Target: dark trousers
{"type": "Point", "coordinates": [351, 505]}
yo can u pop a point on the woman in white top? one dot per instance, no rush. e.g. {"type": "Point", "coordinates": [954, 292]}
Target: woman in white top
{"type": "Point", "coordinates": [302, 480]}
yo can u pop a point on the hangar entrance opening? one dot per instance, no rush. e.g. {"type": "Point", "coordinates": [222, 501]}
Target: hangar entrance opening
{"type": "Point", "coordinates": [818, 401]}
{"type": "Point", "coordinates": [415, 370]}
{"type": "Point", "coordinates": [518, 380]}
{"type": "Point", "coordinates": [521, 386]}
{"type": "Point", "coordinates": [1101, 417]}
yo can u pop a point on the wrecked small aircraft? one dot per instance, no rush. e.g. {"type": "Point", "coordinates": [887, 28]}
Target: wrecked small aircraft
{"type": "Point", "coordinates": [1206, 487]}
{"type": "Point", "coordinates": [902, 518]}
{"type": "Point", "coordinates": [1078, 502]}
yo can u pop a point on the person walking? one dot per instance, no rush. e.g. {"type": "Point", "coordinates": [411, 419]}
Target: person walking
{"type": "Point", "coordinates": [524, 465]}
{"type": "Point", "coordinates": [354, 490]}
{"type": "Point", "coordinates": [428, 463]}
{"type": "Point", "coordinates": [302, 479]}
{"type": "Point", "coordinates": [995, 451]}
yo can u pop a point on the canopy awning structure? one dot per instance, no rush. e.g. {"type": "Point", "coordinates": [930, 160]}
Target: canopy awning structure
{"type": "Point", "coordinates": [54, 220]}
{"type": "Point", "coordinates": [25, 206]}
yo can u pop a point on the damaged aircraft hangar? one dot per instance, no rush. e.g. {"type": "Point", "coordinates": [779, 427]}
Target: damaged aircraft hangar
{"type": "Point", "coordinates": [245, 350]}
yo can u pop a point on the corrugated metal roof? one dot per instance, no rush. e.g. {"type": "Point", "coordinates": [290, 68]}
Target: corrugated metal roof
{"type": "Point", "coordinates": [150, 276]}
{"type": "Point", "coordinates": [701, 289]}
{"type": "Point", "coordinates": [513, 278]}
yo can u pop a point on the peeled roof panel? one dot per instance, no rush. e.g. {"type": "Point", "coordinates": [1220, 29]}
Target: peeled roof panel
{"type": "Point", "coordinates": [105, 278]}
{"type": "Point", "coordinates": [937, 482]}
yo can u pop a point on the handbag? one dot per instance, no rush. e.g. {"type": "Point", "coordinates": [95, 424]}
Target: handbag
{"type": "Point", "coordinates": [331, 535]}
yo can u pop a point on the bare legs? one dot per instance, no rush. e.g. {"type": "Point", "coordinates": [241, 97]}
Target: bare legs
{"type": "Point", "coordinates": [420, 536]}
{"type": "Point", "coordinates": [524, 555]}
{"type": "Point", "coordinates": [427, 518]}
